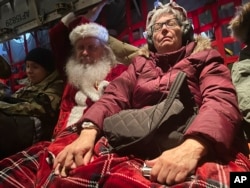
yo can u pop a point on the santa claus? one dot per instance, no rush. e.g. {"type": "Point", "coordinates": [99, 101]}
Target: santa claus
{"type": "Point", "coordinates": [89, 70]}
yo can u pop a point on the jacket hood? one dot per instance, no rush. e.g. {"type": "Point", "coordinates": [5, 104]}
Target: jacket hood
{"type": "Point", "coordinates": [201, 44]}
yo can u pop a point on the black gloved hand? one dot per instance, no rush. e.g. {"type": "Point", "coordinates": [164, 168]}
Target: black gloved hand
{"type": "Point", "coordinates": [44, 100]}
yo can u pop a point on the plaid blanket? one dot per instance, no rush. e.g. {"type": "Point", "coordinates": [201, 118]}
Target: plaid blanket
{"type": "Point", "coordinates": [32, 168]}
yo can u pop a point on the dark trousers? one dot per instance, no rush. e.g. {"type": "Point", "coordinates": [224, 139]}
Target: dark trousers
{"type": "Point", "coordinates": [16, 134]}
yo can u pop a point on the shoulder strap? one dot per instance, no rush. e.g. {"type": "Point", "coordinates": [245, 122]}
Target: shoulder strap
{"type": "Point", "coordinates": [174, 89]}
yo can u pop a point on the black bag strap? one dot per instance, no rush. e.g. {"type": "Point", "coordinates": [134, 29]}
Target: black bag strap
{"type": "Point", "coordinates": [174, 89]}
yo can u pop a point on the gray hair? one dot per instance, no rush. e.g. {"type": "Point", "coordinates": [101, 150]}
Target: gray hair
{"type": "Point", "coordinates": [110, 55]}
{"type": "Point", "coordinates": [169, 8]}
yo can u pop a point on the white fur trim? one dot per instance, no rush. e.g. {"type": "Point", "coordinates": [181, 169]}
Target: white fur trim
{"type": "Point", "coordinates": [68, 18]}
{"type": "Point", "coordinates": [75, 114]}
{"type": "Point", "coordinates": [102, 85]}
{"type": "Point", "coordinates": [80, 98]}
{"type": "Point", "coordinates": [92, 93]}
{"type": "Point", "coordinates": [89, 30]}
{"type": "Point", "coordinates": [77, 111]}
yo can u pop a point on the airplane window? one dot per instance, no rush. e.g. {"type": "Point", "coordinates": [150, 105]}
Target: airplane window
{"type": "Point", "coordinates": [20, 39]}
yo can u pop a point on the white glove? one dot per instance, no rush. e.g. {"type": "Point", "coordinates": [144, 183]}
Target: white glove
{"type": "Point", "coordinates": [68, 18]}
{"type": "Point", "coordinates": [102, 86]}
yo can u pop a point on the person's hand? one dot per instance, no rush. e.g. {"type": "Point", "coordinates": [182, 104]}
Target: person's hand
{"type": "Point", "coordinates": [79, 152]}
{"type": "Point", "coordinates": [68, 18]}
{"type": "Point", "coordinates": [93, 13]}
{"type": "Point", "coordinates": [174, 165]}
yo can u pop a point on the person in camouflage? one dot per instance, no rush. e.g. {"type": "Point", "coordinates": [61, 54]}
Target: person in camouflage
{"type": "Point", "coordinates": [30, 114]}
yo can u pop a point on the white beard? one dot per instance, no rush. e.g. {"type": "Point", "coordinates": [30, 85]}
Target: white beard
{"type": "Point", "coordinates": [89, 79]}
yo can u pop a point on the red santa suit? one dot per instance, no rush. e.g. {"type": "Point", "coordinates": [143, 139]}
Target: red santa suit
{"type": "Point", "coordinates": [74, 104]}
{"type": "Point", "coordinates": [75, 101]}
{"type": "Point", "coordinates": [85, 84]}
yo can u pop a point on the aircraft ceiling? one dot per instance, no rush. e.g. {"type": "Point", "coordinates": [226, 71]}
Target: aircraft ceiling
{"type": "Point", "coordinates": [20, 16]}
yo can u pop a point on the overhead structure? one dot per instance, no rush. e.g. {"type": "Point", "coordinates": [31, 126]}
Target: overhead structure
{"type": "Point", "coordinates": [20, 16]}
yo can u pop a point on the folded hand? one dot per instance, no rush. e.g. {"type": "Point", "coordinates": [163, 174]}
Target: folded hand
{"type": "Point", "coordinates": [174, 165]}
{"type": "Point", "coordinates": [79, 152]}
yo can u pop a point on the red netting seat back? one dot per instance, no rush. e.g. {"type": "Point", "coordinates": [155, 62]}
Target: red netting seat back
{"type": "Point", "coordinates": [213, 19]}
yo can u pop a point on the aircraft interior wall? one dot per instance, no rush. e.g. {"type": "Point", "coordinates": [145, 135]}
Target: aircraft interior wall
{"type": "Point", "coordinates": [24, 24]}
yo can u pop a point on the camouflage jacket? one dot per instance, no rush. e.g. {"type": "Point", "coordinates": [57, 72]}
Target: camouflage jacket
{"type": "Point", "coordinates": [26, 103]}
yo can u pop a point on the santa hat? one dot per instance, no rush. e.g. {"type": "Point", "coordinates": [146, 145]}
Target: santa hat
{"type": "Point", "coordinates": [240, 26]}
{"type": "Point", "coordinates": [89, 30]}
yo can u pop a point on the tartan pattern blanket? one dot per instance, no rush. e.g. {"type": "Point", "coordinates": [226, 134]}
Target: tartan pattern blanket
{"type": "Point", "coordinates": [31, 168]}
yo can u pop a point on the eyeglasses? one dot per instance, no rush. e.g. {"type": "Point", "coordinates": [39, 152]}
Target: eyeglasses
{"type": "Point", "coordinates": [171, 23]}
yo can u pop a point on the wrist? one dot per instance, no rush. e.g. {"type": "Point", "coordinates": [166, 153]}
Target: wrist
{"type": "Point", "coordinates": [89, 132]}
{"type": "Point", "coordinates": [90, 126]}
{"type": "Point", "coordinates": [197, 146]}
